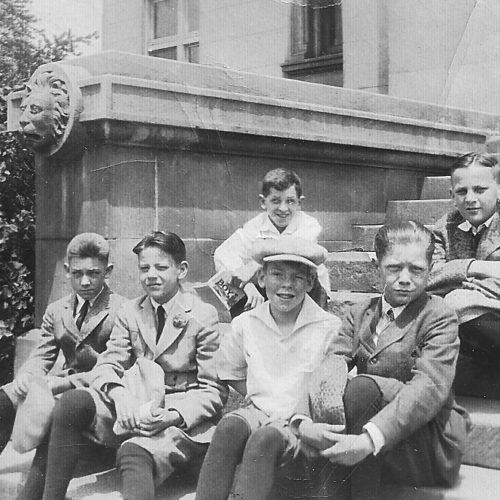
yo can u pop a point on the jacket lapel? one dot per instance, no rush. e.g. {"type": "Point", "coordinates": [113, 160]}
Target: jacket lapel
{"type": "Point", "coordinates": [491, 240]}
{"type": "Point", "coordinates": [146, 323]}
{"type": "Point", "coordinates": [368, 325]}
{"type": "Point", "coordinates": [98, 311]}
{"type": "Point", "coordinates": [67, 316]}
{"type": "Point", "coordinates": [175, 323]}
{"type": "Point", "coordinates": [400, 326]}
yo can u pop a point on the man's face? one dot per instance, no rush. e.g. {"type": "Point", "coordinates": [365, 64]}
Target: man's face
{"type": "Point", "coordinates": [281, 205]}
{"type": "Point", "coordinates": [286, 284]}
{"type": "Point", "coordinates": [475, 193]}
{"type": "Point", "coordinates": [403, 274]}
{"type": "Point", "coordinates": [37, 119]}
{"type": "Point", "coordinates": [159, 274]}
{"type": "Point", "coordinates": [87, 275]}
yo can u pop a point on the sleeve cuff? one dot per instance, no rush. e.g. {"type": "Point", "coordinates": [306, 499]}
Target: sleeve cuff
{"type": "Point", "coordinates": [376, 436]}
{"type": "Point", "coordinates": [296, 420]}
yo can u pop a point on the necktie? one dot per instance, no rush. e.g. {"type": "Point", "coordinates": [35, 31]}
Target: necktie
{"type": "Point", "coordinates": [476, 238]}
{"type": "Point", "coordinates": [390, 314]}
{"type": "Point", "coordinates": [160, 313]}
{"type": "Point", "coordinates": [83, 312]}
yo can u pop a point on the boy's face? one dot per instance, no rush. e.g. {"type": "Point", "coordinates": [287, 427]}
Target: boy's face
{"type": "Point", "coordinates": [281, 205]}
{"type": "Point", "coordinates": [403, 274]}
{"type": "Point", "coordinates": [475, 193]}
{"type": "Point", "coordinates": [87, 275]}
{"type": "Point", "coordinates": [159, 274]}
{"type": "Point", "coordinates": [286, 284]}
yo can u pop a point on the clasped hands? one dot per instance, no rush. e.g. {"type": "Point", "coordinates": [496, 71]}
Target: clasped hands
{"type": "Point", "coordinates": [330, 441]}
{"type": "Point", "coordinates": [130, 414]}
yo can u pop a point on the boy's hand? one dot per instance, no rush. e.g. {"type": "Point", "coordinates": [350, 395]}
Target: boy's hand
{"type": "Point", "coordinates": [254, 297]}
{"type": "Point", "coordinates": [126, 407]}
{"type": "Point", "coordinates": [21, 384]}
{"type": "Point", "coordinates": [349, 449]}
{"type": "Point", "coordinates": [149, 427]}
{"type": "Point", "coordinates": [58, 384]}
{"type": "Point", "coordinates": [318, 435]}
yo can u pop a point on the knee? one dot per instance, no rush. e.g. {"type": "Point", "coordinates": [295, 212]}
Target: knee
{"type": "Point", "coordinates": [130, 453]}
{"type": "Point", "coordinates": [231, 427]}
{"type": "Point", "coordinates": [360, 394]}
{"type": "Point", "coordinates": [264, 442]}
{"type": "Point", "coordinates": [70, 405]}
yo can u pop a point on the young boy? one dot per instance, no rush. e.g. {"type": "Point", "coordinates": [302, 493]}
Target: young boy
{"type": "Point", "coordinates": [281, 199]}
{"type": "Point", "coordinates": [79, 324]}
{"type": "Point", "coordinates": [179, 333]}
{"type": "Point", "coordinates": [268, 357]}
{"type": "Point", "coordinates": [466, 263]}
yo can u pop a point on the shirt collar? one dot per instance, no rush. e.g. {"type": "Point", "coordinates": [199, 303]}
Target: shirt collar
{"type": "Point", "coordinates": [396, 311]}
{"type": "Point", "coordinates": [466, 226]}
{"type": "Point", "coordinates": [269, 228]}
{"type": "Point", "coordinates": [80, 301]}
{"type": "Point", "coordinates": [167, 307]}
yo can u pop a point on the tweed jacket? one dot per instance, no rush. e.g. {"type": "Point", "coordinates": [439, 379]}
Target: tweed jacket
{"type": "Point", "coordinates": [80, 348]}
{"type": "Point", "coordinates": [454, 252]}
{"type": "Point", "coordinates": [413, 363]}
{"type": "Point", "coordinates": [185, 352]}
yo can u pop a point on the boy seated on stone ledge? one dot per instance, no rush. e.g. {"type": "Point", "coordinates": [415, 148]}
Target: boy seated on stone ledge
{"type": "Point", "coordinates": [268, 357]}
{"type": "Point", "coordinates": [466, 270]}
{"type": "Point", "coordinates": [281, 199]}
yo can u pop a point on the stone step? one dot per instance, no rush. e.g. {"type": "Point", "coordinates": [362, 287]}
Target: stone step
{"type": "Point", "coordinates": [435, 188]}
{"type": "Point", "coordinates": [363, 235]}
{"type": "Point", "coordinates": [354, 271]}
{"type": "Point", "coordinates": [483, 447]}
{"type": "Point", "coordinates": [423, 211]}
{"type": "Point", "coordinates": [474, 483]}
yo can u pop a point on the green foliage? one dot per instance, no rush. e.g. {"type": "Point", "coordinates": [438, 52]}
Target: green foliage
{"type": "Point", "coordinates": [22, 49]}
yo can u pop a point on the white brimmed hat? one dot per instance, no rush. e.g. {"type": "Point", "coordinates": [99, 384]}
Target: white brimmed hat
{"type": "Point", "coordinates": [289, 249]}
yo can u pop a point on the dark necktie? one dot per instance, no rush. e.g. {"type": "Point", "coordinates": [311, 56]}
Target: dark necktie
{"type": "Point", "coordinates": [476, 238]}
{"type": "Point", "coordinates": [81, 316]}
{"type": "Point", "coordinates": [160, 313]}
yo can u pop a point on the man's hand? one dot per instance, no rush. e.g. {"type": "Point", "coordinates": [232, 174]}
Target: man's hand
{"type": "Point", "coordinates": [58, 384]}
{"type": "Point", "coordinates": [318, 435]}
{"type": "Point", "coordinates": [349, 449]}
{"type": "Point", "coordinates": [150, 427]}
{"type": "Point", "coordinates": [254, 297]}
{"type": "Point", "coordinates": [484, 269]}
{"type": "Point", "coordinates": [21, 384]}
{"type": "Point", "coordinates": [126, 407]}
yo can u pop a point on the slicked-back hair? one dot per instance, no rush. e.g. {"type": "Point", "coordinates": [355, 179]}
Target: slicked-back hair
{"type": "Point", "coordinates": [481, 159]}
{"type": "Point", "coordinates": [404, 233]}
{"type": "Point", "coordinates": [281, 179]}
{"type": "Point", "coordinates": [168, 242]}
{"type": "Point", "coordinates": [88, 245]}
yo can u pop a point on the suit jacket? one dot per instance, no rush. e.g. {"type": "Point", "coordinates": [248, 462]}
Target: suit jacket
{"type": "Point", "coordinates": [454, 252]}
{"type": "Point", "coordinates": [80, 348]}
{"type": "Point", "coordinates": [413, 363]}
{"type": "Point", "coordinates": [185, 352]}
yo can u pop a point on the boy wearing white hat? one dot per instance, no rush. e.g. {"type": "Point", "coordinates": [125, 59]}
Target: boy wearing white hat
{"type": "Point", "coordinates": [268, 357]}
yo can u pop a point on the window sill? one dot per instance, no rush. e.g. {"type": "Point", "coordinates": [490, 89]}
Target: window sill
{"type": "Point", "coordinates": [322, 64]}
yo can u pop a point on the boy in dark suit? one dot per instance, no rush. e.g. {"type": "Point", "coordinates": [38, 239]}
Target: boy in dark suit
{"type": "Point", "coordinates": [466, 263]}
{"type": "Point", "coordinates": [79, 324]}
{"type": "Point", "coordinates": [174, 333]}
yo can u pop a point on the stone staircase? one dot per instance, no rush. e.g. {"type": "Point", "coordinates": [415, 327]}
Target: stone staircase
{"type": "Point", "coordinates": [354, 276]}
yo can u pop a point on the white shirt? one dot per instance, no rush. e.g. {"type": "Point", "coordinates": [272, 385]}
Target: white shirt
{"type": "Point", "coordinates": [466, 226]}
{"type": "Point", "coordinates": [80, 301]}
{"type": "Point", "coordinates": [236, 250]}
{"type": "Point", "coordinates": [385, 319]}
{"type": "Point", "coordinates": [167, 307]}
{"type": "Point", "coordinates": [276, 366]}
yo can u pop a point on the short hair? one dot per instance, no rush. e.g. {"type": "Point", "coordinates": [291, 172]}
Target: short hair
{"type": "Point", "coordinates": [403, 233]}
{"type": "Point", "coordinates": [482, 159]}
{"type": "Point", "coordinates": [281, 179]}
{"type": "Point", "coordinates": [168, 242]}
{"type": "Point", "coordinates": [88, 245]}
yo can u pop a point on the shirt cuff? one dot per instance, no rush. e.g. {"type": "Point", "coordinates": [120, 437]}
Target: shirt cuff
{"type": "Point", "coordinates": [376, 436]}
{"type": "Point", "coordinates": [295, 422]}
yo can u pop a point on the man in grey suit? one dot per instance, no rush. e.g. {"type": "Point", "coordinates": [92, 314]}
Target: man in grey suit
{"type": "Point", "coordinates": [79, 324]}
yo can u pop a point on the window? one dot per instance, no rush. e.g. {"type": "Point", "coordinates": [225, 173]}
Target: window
{"type": "Point", "coordinates": [174, 29]}
{"type": "Point", "coordinates": [315, 38]}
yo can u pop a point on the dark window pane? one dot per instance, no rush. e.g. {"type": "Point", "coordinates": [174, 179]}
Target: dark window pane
{"type": "Point", "coordinates": [192, 52]}
{"type": "Point", "coordinates": [168, 53]}
{"type": "Point", "coordinates": [193, 15]}
{"type": "Point", "coordinates": [299, 29]}
{"type": "Point", "coordinates": [165, 18]}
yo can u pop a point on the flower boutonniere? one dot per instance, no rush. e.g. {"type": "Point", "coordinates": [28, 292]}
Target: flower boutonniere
{"type": "Point", "coordinates": [179, 321]}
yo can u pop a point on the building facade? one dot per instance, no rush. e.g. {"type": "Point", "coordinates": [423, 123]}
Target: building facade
{"type": "Point", "coordinates": [445, 52]}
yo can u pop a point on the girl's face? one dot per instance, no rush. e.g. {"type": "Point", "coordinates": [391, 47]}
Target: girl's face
{"type": "Point", "coordinates": [403, 273]}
